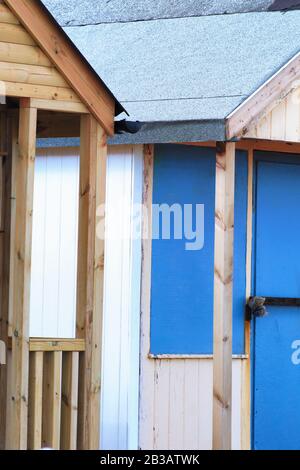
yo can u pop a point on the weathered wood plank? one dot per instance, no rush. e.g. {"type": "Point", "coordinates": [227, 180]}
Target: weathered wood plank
{"type": "Point", "coordinates": [52, 400]}
{"type": "Point", "coordinates": [4, 274]}
{"type": "Point", "coordinates": [246, 365]}
{"type": "Point", "coordinates": [6, 16]}
{"type": "Point", "coordinates": [35, 401]}
{"type": "Point", "coordinates": [90, 280]}
{"type": "Point", "coordinates": [31, 74]}
{"type": "Point", "coordinates": [223, 288]}
{"type": "Point", "coordinates": [250, 112]}
{"type": "Point", "coordinates": [54, 43]}
{"type": "Point", "coordinates": [24, 90]}
{"type": "Point", "coordinates": [15, 34]}
{"type": "Point", "coordinates": [53, 344]}
{"type": "Point", "coordinates": [21, 281]}
{"type": "Point", "coordinates": [69, 409]}
{"type": "Point", "coordinates": [14, 154]}
{"type": "Point", "coordinates": [60, 106]}
{"type": "Point", "coordinates": [147, 375]}
{"type": "Point", "coordinates": [20, 54]}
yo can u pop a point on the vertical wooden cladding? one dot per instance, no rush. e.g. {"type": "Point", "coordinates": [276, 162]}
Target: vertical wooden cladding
{"type": "Point", "coordinates": [282, 122]}
{"type": "Point", "coordinates": [90, 280]}
{"type": "Point", "coordinates": [223, 293]}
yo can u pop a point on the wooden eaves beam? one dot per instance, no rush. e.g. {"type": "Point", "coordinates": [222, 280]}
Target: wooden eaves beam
{"type": "Point", "coordinates": [68, 61]}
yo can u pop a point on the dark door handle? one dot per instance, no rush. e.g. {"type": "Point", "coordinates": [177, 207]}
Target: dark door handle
{"type": "Point", "coordinates": [283, 301]}
{"type": "Point", "coordinates": [256, 306]}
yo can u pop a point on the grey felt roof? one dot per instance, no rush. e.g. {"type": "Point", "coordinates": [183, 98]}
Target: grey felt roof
{"type": "Point", "coordinates": [74, 12]}
{"type": "Point", "coordinates": [181, 76]}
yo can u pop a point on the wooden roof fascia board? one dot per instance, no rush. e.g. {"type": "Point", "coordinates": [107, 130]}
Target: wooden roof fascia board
{"type": "Point", "coordinates": [64, 55]}
{"type": "Point", "coordinates": [272, 91]}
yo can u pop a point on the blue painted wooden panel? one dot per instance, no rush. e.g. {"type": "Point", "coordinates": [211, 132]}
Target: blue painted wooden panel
{"type": "Point", "coordinates": [276, 365]}
{"type": "Point", "coordinates": [182, 281]}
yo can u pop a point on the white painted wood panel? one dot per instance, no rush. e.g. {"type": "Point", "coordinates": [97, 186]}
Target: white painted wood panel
{"type": "Point", "coordinates": [53, 287]}
{"type": "Point", "coordinates": [120, 392]}
{"type": "Point", "coordinates": [54, 257]}
{"type": "Point", "coordinates": [182, 411]}
{"type": "Point", "coordinates": [282, 123]}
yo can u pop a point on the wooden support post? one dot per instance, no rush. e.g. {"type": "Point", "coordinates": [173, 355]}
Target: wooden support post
{"type": "Point", "coordinates": [35, 401]}
{"type": "Point", "coordinates": [223, 287]}
{"type": "Point", "coordinates": [246, 365]}
{"type": "Point", "coordinates": [4, 213]}
{"type": "Point", "coordinates": [93, 155]}
{"type": "Point", "coordinates": [17, 426]}
{"type": "Point", "coordinates": [52, 400]}
{"type": "Point", "coordinates": [69, 408]}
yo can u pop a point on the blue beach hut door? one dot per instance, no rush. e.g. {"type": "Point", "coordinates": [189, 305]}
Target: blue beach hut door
{"type": "Point", "coordinates": [276, 273]}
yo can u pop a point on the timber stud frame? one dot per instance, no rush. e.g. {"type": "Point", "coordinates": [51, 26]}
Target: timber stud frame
{"type": "Point", "coordinates": [50, 387]}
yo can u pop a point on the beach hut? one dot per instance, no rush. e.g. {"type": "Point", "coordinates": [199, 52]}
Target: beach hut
{"type": "Point", "coordinates": [200, 339]}
{"type": "Point", "coordinates": [49, 388]}
{"type": "Point", "coordinates": [216, 87]}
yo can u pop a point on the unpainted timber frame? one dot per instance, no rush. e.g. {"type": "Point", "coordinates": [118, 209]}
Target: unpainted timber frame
{"type": "Point", "coordinates": [63, 54]}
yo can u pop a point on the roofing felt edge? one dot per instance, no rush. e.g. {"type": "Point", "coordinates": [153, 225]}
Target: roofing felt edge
{"type": "Point", "coordinates": [92, 12]}
{"type": "Point", "coordinates": [157, 133]}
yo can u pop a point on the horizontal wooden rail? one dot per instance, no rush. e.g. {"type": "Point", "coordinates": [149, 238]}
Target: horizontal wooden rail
{"type": "Point", "coordinates": [54, 344]}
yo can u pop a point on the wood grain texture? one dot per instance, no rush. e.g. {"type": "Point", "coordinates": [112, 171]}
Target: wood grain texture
{"type": "Point", "coordinates": [147, 373]}
{"type": "Point", "coordinates": [246, 366]}
{"type": "Point", "coordinates": [31, 74]}
{"type": "Point", "coordinates": [60, 106]}
{"type": "Point", "coordinates": [52, 380]}
{"type": "Point", "coordinates": [5, 185]}
{"type": "Point", "coordinates": [90, 278]}
{"type": "Point", "coordinates": [223, 293]}
{"type": "Point", "coordinates": [15, 34]}
{"type": "Point", "coordinates": [59, 344]}
{"type": "Point", "coordinates": [69, 408]}
{"type": "Point", "coordinates": [25, 90]}
{"type": "Point", "coordinates": [254, 108]}
{"type": "Point", "coordinates": [6, 16]}
{"type": "Point", "coordinates": [19, 53]}
{"type": "Point", "coordinates": [281, 123]}
{"type": "Point", "coordinates": [35, 401]}
{"type": "Point", "coordinates": [63, 55]}
{"type": "Point", "coordinates": [21, 282]}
